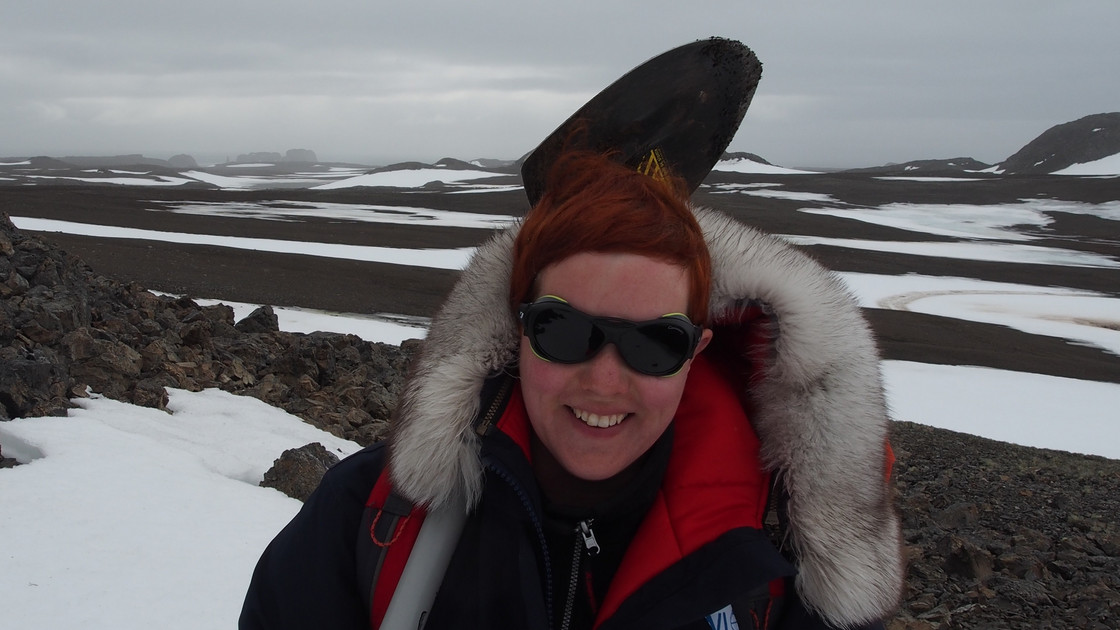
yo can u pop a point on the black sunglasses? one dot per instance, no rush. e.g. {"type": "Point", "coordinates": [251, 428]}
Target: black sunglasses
{"type": "Point", "coordinates": [558, 332]}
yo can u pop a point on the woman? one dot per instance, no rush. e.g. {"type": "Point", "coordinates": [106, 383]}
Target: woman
{"type": "Point", "coordinates": [616, 480]}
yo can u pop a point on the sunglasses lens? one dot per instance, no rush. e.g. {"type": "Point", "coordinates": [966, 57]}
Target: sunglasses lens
{"type": "Point", "coordinates": [562, 334]}
{"type": "Point", "coordinates": [658, 349]}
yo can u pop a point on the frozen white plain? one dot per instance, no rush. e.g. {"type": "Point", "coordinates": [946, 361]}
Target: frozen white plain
{"type": "Point", "coordinates": [125, 517]}
{"type": "Point", "coordinates": [966, 250]}
{"type": "Point", "coordinates": [409, 178]}
{"type": "Point", "coordinates": [1077, 316]}
{"type": "Point", "coordinates": [437, 258]}
{"type": "Point", "coordinates": [290, 211]}
{"type": "Point", "coordinates": [972, 221]}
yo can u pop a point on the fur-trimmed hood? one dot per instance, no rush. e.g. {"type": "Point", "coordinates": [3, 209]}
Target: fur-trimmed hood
{"type": "Point", "coordinates": [818, 408]}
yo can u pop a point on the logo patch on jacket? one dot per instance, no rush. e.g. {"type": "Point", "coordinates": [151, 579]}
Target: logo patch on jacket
{"type": "Point", "coordinates": [723, 619]}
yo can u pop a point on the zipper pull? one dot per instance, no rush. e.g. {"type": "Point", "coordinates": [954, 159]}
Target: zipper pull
{"type": "Point", "coordinates": [589, 541]}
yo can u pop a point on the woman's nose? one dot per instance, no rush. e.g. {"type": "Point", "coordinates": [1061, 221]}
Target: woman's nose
{"type": "Point", "coordinates": [606, 373]}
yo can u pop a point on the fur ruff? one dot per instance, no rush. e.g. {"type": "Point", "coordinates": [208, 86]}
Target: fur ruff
{"type": "Point", "coordinates": [818, 409]}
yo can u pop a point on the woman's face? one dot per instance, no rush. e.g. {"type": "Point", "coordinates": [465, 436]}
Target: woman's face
{"type": "Point", "coordinates": [566, 402]}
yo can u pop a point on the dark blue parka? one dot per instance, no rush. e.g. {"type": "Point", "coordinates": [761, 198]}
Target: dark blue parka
{"type": "Point", "coordinates": [685, 545]}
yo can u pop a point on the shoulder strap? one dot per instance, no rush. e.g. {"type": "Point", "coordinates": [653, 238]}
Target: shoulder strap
{"type": "Point", "coordinates": [390, 525]}
{"type": "Point", "coordinates": [426, 567]}
{"type": "Point", "coordinates": [395, 553]}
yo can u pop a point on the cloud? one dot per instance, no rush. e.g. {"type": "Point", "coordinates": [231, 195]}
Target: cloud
{"type": "Point", "coordinates": [843, 84]}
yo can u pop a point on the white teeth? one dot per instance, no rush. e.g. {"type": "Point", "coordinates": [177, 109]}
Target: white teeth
{"type": "Point", "coordinates": [595, 420]}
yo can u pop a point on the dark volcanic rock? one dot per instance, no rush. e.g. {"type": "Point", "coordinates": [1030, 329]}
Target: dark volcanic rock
{"type": "Point", "coordinates": [298, 470]}
{"type": "Point", "coordinates": [64, 330]}
{"type": "Point", "coordinates": [1004, 536]}
{"type": "Point", "coordinates": [261, 320]}
{"type": "Point", "coordinates": [1084, 140]}
{"type": "Point", "coordinates": [32, 384]}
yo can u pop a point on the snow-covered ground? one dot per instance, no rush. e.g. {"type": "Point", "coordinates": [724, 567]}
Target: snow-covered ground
{"type": "Point", "coordinates": [1107, 166]}
{"type": "Point", "coordinates": [259, 176]}
{"type": "Point", "coordinates": [437, 258]}
{"type": "Point", "coordinates": [282, 210]}
{"type": "Point", "coordinates": [125, 517]}
{"type": "Point", "coordinates": [128, 517]}
{"type": "Point", "coordinates": [410, 178]}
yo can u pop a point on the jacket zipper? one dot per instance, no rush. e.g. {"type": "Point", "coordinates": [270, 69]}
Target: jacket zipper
{"type": "Point", "coordinates": [496, 405]}
{"type": "Point", "coordinates": [585, 541]}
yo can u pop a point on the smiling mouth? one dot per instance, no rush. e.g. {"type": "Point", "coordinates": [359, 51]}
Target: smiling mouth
{"type": "Point", "coordinates": [598, 421]}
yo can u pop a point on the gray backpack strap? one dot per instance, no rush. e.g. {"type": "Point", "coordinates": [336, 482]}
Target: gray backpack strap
{"type": "Point", "coordinates": [427, 564]}
{"type": "Point", "coordinates": [435, 542]}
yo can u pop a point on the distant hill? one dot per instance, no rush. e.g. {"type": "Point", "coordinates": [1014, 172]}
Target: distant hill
{"type": "Point", "coordinates": [929, 168]}
{"type": "Point", "coordinates": [744, 156]}
{"type": "Point", "coordinates": [1084, 140]}
{"type": "Point", "coordinates": [305, 156]}
{"type": "Point", "coordinates": [401, 166]}
{"type": "Point", "coordinates": [1078, 142]}
{"type": "Point", "coordinates": [112, 161]}
{"type": "Point", "coordinates": [259, 157]}
{"type": "Point", "coordinates": [444, 163]}
{"type": "Point", "coordinates": [449, 162]}
{"type": "Point", "coordinates": [182, 161]}
{"type": "Point", "coordinates": [292, 156]}
{"type": "Point", "coordinates": [492, 163]}
{"type": "Point", "coordinates": [45, 162]}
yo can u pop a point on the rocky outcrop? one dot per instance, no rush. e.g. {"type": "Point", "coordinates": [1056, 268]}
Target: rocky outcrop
{"type": "Point", "coordinates": [64, 330]}
{"type": "Point", "coordinates": [297, 471]}
{"type": "Point", "coordinates": [1081, 141]}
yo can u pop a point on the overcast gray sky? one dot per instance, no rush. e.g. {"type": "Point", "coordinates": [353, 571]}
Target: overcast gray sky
{"type": "Point", "coordinates": [845, 83]}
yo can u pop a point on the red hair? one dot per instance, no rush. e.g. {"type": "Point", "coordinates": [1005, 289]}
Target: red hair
{"type": "Point", "coordinates": [594, 204]}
